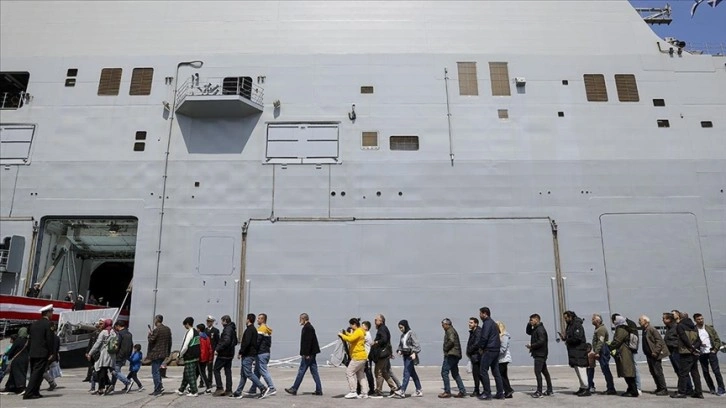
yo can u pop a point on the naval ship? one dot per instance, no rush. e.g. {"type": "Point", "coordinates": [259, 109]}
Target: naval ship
{"type": "Point", "coordinates": [344, 159]}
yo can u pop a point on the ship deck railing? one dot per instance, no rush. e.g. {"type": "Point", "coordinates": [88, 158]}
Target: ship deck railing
{"type": "Point", "coordinates": [219, 97]}
{"type": "Point", "coordinates": [707, 48]}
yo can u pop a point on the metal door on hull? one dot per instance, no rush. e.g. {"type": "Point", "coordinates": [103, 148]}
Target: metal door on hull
{"type": "Point", "coordinates": [16, 236]}
{"type": "Point", "coordinates": [419, 270]}
{"type": "Point", "coordinates": [653, 264]}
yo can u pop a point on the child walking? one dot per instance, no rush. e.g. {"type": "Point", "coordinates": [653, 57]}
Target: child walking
{"type": "Point", "coordinates": [135, 365]}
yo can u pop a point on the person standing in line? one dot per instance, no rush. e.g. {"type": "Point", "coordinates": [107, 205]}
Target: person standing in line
{"type": "Point", "coordinates": [408, 349]}
{"type": "Point", "coordinates": [369, 364]}
{"type": "Point", "coordinates": [355, 372]}
{"type": "Point", "coordinates": [41, 344]}
{"type": "Point", "coordinates": [489, 346]}
{"type": "Point", "coordinates": [159, 341]}
{"type": "Point", "coordinates": [224, 353]}
{"type": "Point", "coordinates": [539, 350]}
{"type": "Point", "coordinates": [710, 344]}
{"type": "Point", "coordinates": [633, 328]}
{"type": "Point", "coordinates": [189, 353]}
{"type": "Point", "coordinates": [54, 370]}
{"type": "Point", "coordinates": [505, 357]}
{"type": "Point", "coordinates": [655, 350]}
{"type": "Point", "coordinates": [264, 346]}
{"type": "Point", "coordinates": [452, 356]}
{"type": "Point", "coordinates": [213, 334]}
{"type": "Point", "coordinates": [18, 357]}
{"type": "Point", "coordinates": [620, 348]}
{"type": "Point", "coordinates": [576, 343]}
{"type": "Point", "coordinates": [106, 359]}
{"type": "Point", "coordinates": [205, 354]}
{"type": "Point", "coordinates": [600, 353]}
{"type": "Point", "coordinates": [248, 354]}
{"type": "Point", "coordinates": [126, 344]}
{"type": "Point", "coordinates": [472, 351]}
{"type": "Point", "coordinates": [309, 349]}
{"type": "Point", "coordinates": [382, 350]}
{"type": "Point", "coordinates": [689, 346]}
{"type": "Point", "coordinates": [671, 341]}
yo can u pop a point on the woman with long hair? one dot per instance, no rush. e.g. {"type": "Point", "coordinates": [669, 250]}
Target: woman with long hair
{"type": "Point", "coordinates": [505, 357]}
{"type": "Point", "coordinates": [356, 338]}
{"type": "Point", "coordinates": [106, 361]}
{"type": "Point", "coordinates": [408, 348]}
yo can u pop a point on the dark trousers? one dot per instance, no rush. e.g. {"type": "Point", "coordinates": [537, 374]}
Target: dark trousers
{"type": "Point", "coordinates": [103, 380]}
{"type": "Point", "coordinates": [675, 358]}
{"type": "Point", "coordinates": [689, 367]}
{"type": "Point", "coordinates": [226, 364]}
{"type": "Point", "coordinates": [632, 387]}
{"type": "Point", "coordinates": [540, 368]}
{"type": "Point", "coordinates": [134, 376]}
{"type": "Point", "coordinates": [505, 378]}
{"type": "Point", "coordinates": [209, 368]}
{"type": "Point", "coordinates": [490, 360]}
{"type": "Point", "coordinates": [656, 371]}
{"type": "Point", "coordinates": [38, 366]}
{"type": "Point", "coordinates": [712, 360]}
{"type": "Point", "coordinates": [476, 373]}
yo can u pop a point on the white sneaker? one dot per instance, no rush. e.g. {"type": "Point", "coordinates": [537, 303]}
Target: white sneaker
{"type": "Point", "coordinates": [418, 393]}
{"type": "Point", "coordinates": [399, 394]}
{"type": "Point", "coordinates": [640, 392]}
{"type": "Point", "coordinates": [270, 392]}
{"type": "Point", "coordinates": [351, 395]}
{"type": "Point", "coordinates": [196, 394]}
{"type": "Point", "coordinates": [179, 392]}
{"type": "Point", "coordinates": [363, 395]}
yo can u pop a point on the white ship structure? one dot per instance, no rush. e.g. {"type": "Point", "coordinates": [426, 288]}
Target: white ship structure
{"type": "Point", "coordinates": [416, 159]}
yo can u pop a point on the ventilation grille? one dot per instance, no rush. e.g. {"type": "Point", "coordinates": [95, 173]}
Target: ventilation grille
{"type": "Point", "coordinates": [110, 81]}
{"type": "Point", "coordinates": [627, 88]}
{"type": "Point", "coordinates": [499, 73]}
{"type": "Point", "coordinates": [468, 84]}
{"type": "Point", "coordinates": [141, 79]}
{"type": "Point", "coordinates": [595, 88]}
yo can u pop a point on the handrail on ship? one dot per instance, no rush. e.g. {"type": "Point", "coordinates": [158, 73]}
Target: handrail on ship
{"type": "Point", "coordinates": [707, 48]}
{"type": "Point", "coordinates": [220, 86]}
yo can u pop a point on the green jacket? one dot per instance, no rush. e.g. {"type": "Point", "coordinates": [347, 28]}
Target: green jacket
{"type": "Point", "coordinates": [452, 345]}
{"type": "Point", "coordinates": [715, 340]}
{"type": "Point", "coordinates": [599, 337]}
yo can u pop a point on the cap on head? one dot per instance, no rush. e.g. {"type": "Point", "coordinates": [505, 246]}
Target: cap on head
{"type": "Point", "coordinates": [210, 318]}
{"type": "Point", "coordinates": [46, 308]}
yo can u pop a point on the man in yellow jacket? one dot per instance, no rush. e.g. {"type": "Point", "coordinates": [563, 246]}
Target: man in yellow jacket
{"type": "Point", "coordinates": [358, 357]}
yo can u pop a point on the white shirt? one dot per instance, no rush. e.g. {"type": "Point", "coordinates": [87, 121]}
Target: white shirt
{"type": "Point", "coordinates": [369, 342]}
{"type": "Point", "coordinates": [705, 340]}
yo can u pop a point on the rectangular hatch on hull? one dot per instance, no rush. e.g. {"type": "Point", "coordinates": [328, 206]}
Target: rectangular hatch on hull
{"type": "Point", "coordinates": [230, 97]}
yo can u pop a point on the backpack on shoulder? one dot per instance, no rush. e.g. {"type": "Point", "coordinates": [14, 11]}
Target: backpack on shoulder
{"type": "Point", "coordinates": [113, 344]}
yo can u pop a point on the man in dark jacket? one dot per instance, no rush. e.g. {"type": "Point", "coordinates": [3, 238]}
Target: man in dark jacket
{"type": "Point", "coordinates": [34, 292]}
{"type": "Point", "coordinates": [248, 354]}
{"type": "Point", "coordinates": [309, 349]}
{"type": "Point", "coordinates": [80, 303]}
{"type": "Point", "coordinates": [159, 341]}
{"type": "Point", "coordinates": [538, 349]}
{"type": "Point", "coordinates": [655, 350]}
{"type": "Point", "coordinates": [472, 351]}
{"type": "Point", "coordinates": [382, 351]}
{"type": "Point", "coordinates": [689, 345]}
{"type": "Point", "coordinates": [225, 353]}
{"type": "Point", "coordinates": [671, 341]}
{"type": "Point", "coordinates": [452, 355]}
{"type": "Point", "coordinates": [576, 343]}
{"type": "Point", "coordinates": [213, 334]}
{"type": "Point", "coordinates": [489, 344]}
{"type": "Point", "coordinates": [42, 341]}
{"type": "Point", "coordinates": [126, 345]}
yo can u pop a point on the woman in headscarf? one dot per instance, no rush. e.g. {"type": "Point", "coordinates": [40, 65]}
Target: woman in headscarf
{"type": "Point", "coordinates": [408, 348]}
{"type": "Point", "coordinates": [505, 357]}
{"type": "Point", "coordinates": [623, 355]}
{"type": "Point", "coordinates": [106, 360]}
{"type": "Point", "coordinates": [18, 357]}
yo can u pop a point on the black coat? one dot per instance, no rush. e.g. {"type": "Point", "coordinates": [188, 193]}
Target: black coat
{"type": "Point", "coordinates": [42, 339]}
{"type": "Point", "coordinates": [537, 340]}
{"type": "Point", "coordinates": [126, 345]}
{"type": "Point", "coordinates": [472, 345]}
{"type": "Point", "coordinates": [248, 346]}
{"type": "Point", "coordinates": [226, 345]}
{"type": "Point", "coordinates": [576, 343]}
{"type": "Point", "coordinates": [213, 334]}
{"type": "Point", "coordinates": [309, 345]}
{"type": "Point", "coordinates": [18, 354]}
{"type": "Point", "coordinates": [671, 337]}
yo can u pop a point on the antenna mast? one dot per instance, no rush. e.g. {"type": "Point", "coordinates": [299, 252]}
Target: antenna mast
{"type": "Point", "coordinates": [656, 15]}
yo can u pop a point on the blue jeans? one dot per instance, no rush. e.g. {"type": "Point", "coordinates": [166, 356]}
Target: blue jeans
{"type": "Point", "coordinates": [247, 373]}
{"type": "Point", "coordinates": [490, 360]}
{"type": "Point", "coordinates": [604, 362]}
{"type": "Point", "coordinates": [409, 372]}
{"type": "Point", "coordinates": [305, 363]}
{"type": "Point", "coordinates": [450, 365]}
{"type": "Point", "coordinates": [116, 374]}
{"type": "Point", "coordinates": [261, 371]}
{"type": "Point", "coordinates": [637, 373]}
{"type": "Point", "coordinates": [156, 374]}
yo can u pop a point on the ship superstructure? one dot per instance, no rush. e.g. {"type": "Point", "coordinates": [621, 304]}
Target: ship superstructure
{"type": "Point", "coordinates": [416, 159]}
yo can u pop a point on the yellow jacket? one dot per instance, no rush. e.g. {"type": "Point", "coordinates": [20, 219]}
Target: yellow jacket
{"type": "Point", "coordinates": [357, 341]}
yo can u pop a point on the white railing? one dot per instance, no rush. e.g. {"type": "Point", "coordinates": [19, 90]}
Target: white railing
{"type": "Point", "coordinates": [12, 100]}
{"type": "Point", "coordinates": [706, 48]}
{"type": "Point", "coordinates": [211, 87]}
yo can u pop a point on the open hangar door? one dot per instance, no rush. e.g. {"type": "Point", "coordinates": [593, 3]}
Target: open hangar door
{"type": "Point", "coordinates": [653, 264]}
{"type": "Point", "coordinates": [418, 270]}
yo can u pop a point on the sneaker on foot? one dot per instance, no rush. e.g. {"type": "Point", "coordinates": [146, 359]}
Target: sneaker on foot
{"type": "Point", "coordinates": [418, 393]}
{"type": "Point", "coordinates": [263, 393]}
{"type": "Point", "coordinates": [237, 395]}
{"type": "Point", "coordinates": [271, 392]}
{"type": "Point", "coordinates": [363, 395]}
{"type": "Point", "coordinates": [350, 395]}
{"type": "Point", "coordinates": [400, 394]}
{"type": "Point", "coordinates": [52, 387]}
{"type": "Point", "coordinates": [179, 392]}
{"type": "Point", "coordinates": [445, 395]}
{"type": "Point", "coordinates": [537, 395]}
{"type": "Point", "coordinates": [459, 395]}
{"type": "Point", "coordinates": [291, 391]}
{"type": "Point", "coordinates": [196, 394]}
